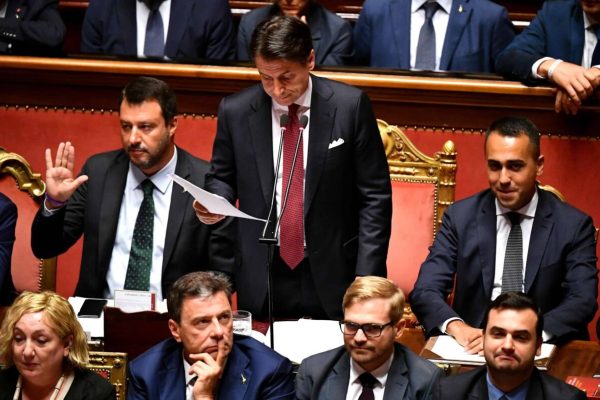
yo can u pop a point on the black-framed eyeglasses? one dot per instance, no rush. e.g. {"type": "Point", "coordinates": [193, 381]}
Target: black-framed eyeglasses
{"type": "Point", "coordinates": [370, 330]}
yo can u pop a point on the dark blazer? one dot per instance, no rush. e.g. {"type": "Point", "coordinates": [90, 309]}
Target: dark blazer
{"type": "Point", "coordinates": [197, 29]}
{"type": "Point", "coordinates": [472, 385]}
{"type": "Point", "coordinates": [8, 224]}
{"type": "Point", "coordinates": [93, 211]}
{"type": "Point", "coordinates": [347, 196]}
{"type": "Point", "coordinates": [87, 385]}
{"type": "Point", "coordinates": [560, 275]}
{"type": "Point", "coordinates": [331, 35]}
{"type": "Point", "coordinates": [557, 31]}
{"type": "Point", "coordinates": [326, 376]}
{"type": "Point", "coordinates": [477, 31]}
{"type": "Point", "coordinates": [32, 27]}
{"type": "Point", "coordinates": [253, 371]}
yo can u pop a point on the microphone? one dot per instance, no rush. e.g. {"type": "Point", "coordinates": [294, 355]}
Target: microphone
{"type": "Point", "coordinates": [283, 122]}
{"type": "Point", "coordinates": [303, 123]}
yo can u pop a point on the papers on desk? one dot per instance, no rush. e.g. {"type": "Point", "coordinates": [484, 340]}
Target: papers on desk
{"type": "Point", "coordinates": [297, 340]}
{"type": "Point", "coordinates": [448, 348]}
{"type": "Point", "coordinates": [214, 203]}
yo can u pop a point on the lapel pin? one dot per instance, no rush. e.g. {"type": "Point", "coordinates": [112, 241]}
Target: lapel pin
{"type": "Point", "coordinates": [243, 379]}
{"type": "Point", "coordinates": [460, 8]}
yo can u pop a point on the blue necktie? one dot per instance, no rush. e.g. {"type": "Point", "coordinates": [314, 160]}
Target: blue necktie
{"type": "Point", "coordinates": [154, 45]}
{"type": "Point", "coordinates": [426, 46]}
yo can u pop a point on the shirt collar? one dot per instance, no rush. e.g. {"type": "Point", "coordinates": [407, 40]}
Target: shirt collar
{"type": "Point", "coordinates": [303, 101]}
{"type": "Point", "coordinates": [161, 180]}
{"type": "Point", "coordinates": [527, 210]}
{"type": "Point", "coordinates": [186, 370]}
{"type": "Point", "coordinates": [417, 4]}
{"type": "Point", "coordinates": [380, 373]}
{"type": "Point", "coordinates": [520, 393]}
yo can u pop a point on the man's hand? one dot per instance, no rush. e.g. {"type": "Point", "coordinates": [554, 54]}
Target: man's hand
{"type": "Point", "coordinates": [577, 82]}
{"type": "Point", "coordinates": [467, 336]}
{"type": "Point", "coordinates": [60, 181]}
{"type": "Point", "coordinates": [563, 103]}
{"type": "Point", "coordinates": [208, 371]}
{"type": "Point", "coordinates": [205, 216]}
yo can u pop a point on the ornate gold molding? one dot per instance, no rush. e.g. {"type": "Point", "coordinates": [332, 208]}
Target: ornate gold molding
{"type": "Point", "coordinates": [27, 180]}
{"type": "Point", "coordinates": [112, 367]}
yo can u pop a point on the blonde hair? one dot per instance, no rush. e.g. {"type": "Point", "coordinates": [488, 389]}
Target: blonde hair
{"type": "Point", "coordinates": [59, 316]}
{"type": "Point", "coordinates": [374, 287]}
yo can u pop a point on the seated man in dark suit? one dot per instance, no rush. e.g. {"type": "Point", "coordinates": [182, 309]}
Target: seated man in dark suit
{"type": "Point", "coordinates": [559, 46]}
{"type": "Point", "coordinates": [139, 232]}
{"type": "Point", "coordinates": [512, 338]}
{"type": "Point", "coordinates": [442, 35]}
{"type": "Point", "coordinates": [331, 35]}
{"type": "Point", "coordinates": [177, 29]}
{"type": "Point", "coordinates": [204, 359]}
{"type": "Point", "coordinates": [370, 363]}
{"type": "Point", "coordinates": [511, 237]}
{"type": "Point", "coordinates": [8, 223]}
{"type": "Point", "coordinates": [31, 27]}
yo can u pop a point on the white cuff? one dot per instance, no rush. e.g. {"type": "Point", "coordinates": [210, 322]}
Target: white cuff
{"type": "Point", "coordinates": [536, 66]}
{"type": "Point", "coordinates": [553, 67]}
{"type": "Point", "coordinates": [443, 327]}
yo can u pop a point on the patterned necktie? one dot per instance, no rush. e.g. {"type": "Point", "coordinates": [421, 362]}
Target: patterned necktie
{"type": "Point", "coordinates": [154, 45]}
{"type": "Point", "coordinates": [291, 246]}
{"type": "Point", "coordinates": [140, 256]}
{"type": "Point", "coordinates": [368, 382]}
{"type": "Point", "coordinates": [512, 276]}
{"type": "Point", "coordinates": [596, 54]}
{"type": "Point", "coordinates": [426, 45]}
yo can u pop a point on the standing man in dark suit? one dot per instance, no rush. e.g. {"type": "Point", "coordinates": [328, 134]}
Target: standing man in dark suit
{"type": "Point", "coordinates": [477, 250]}
{"type": "Point", "coordinates": [331, 34]}
{"type": "Point", "coordinates": [8, 224]}
{"type": "Point", "coordinates": [336, 223]}
{"type": "Point", "coordinates": [560, 46]}
{"type": "Point", "coordinates": [458, 35]}
{"type": "Point", "coordinates": [139, 232]}
{"type": "Point", "coordinates": [370, 362]}
{"type": "Point", "coordinates": [177, 29]}
{"type": "Point", "coordinates": [31, 27]}
{"type": "Point", "coordinates": [512, 338]}
{"type": "Point", "coordinates": [204, 359]}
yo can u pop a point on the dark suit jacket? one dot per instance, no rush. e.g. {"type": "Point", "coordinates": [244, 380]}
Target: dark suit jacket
{"type": "Point", "coordinates": [32, 27]}
{"type": "Point", "coordinates": [560, 274]}
{"type": "Point", "coordinates": [331, 35]}
{"type": "Point", "coordinates": [8, 223]}
{"type": "Point", "coordinates": [477, 31]}
{"type": "Point", "coordinates": [93, 211]}
{"type": "Point", "coordinates": [557, 31]}
{"type": "Point", "coordinates": [87, 385]}
{"type": "Point", "coordinates": [253, 371]}
{"type": "Point", "coordinates": [347, 196]}
{"type": "Point", "coordinates": [326, 376]}
{"type": "Point", "coordinates": [197, 29]}
{"type": "Point", "coordinates": [472, 385]}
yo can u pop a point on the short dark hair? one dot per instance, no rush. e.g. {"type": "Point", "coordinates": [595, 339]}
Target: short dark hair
{"type": "Point", "coordinates": [515, 126]}
{"type": "Point", "coordinates": [516, 301]}
{"type": "Point", "coordinates": [196, 284]}
{"type": "Point", "coordinates": [145, 88]}
{"type": "Point", "coordinates": [282, 38]}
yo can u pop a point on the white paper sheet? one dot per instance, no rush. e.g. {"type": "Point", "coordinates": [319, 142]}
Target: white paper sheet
{"type": "Point", "coordinates": [214, 203]}
{"type": "Point", "coordinates": [297, 340]}
{"type": "Point", "coordinates": [448, 348]}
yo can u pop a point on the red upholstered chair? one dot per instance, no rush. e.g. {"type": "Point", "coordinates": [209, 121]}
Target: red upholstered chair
{"type": "Point", "coordinates": [26, 189]}
{"type": "Point", "coordinates": [422, 189]}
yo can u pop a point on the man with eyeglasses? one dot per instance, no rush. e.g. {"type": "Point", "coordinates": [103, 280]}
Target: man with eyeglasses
{"type": "Point", "coordinates": [370, 365]}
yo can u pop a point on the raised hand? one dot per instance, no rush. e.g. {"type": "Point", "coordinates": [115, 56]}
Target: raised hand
{"type": "Point", "coordinates": [60, 179]}
{"type": "Point", "coordinates": [209, 371]}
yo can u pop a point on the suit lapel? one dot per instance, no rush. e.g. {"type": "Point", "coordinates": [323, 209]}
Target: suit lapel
{"type": "Point", "coordinates": [128, 31]}
{"type": "Point", "coordinates": [535, 391]}
{"type": "Point", "coordinates": [577, 35]}
{"type": "Point", "coordinates": [336, 385]}
{"type": "Point", "coordinates": [260, 129]}
{"type": "Point", "coordinates": [397, 380]}
{"type": "Point", "coordinates": [236, 377]}
{"type": "Point", "coordinates": [179, 207]}
{"type": "Point", "coordinates": [171, 382]}
{"type": "Point", "coordinates": [486, 236]}
{"type": "Point", "coordinates": [479, 390]}
{"type": "Point", "coordinates": [400, 14]}
{"type": "Point", "coordinates": [322, 115]}
{"type": "Point", "coordinates": [110, 206]}
{"type": "Point", "coordinates": [540, 231]}
{"type": "Point", "coordinates": [459, 18]}
{"type": "Point", "coordinates": [180, 13]}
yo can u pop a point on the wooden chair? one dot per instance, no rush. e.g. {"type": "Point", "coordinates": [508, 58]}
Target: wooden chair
{"type": "Point", "coordinates": [26, 189]}
{"type": "Point", "coordinates": [112, 367]}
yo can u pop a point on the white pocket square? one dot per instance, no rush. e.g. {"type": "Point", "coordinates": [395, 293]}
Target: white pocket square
{"type": "Point", "coordinates": [336, 143]}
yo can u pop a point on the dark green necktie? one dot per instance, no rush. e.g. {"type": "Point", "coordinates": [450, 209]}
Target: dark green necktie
{"type": "Point", "coordinates": [140, 256]}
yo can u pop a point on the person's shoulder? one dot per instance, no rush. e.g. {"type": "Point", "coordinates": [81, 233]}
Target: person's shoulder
{"type": "Point", "coordinates": [325, 357]}
{"type": "Point", "coordinates": [185, 156]}
{"type": "Point", "coordinates": [560, 390]}
{"type": "Point", "coordinates": [244, 98]}
{"type": "Point", "coordinates": [471, 202]}
{"type": "Point", "coordinates": [7, 203]}
{"type": "Point", "coordinates": [255, 350]}
{"type": "Point", "coordinates": [332, 20]}
{"type": "Point", "coordinates": [566, 211]}
{"type": "Point", "coordinates": [343, 91]}
{"type": "Point", "coordinates": [155, 354]}
{"type": "Point", "coordinates": [91, 382]}
{"type": "Point", "coordinates": [257, 15]}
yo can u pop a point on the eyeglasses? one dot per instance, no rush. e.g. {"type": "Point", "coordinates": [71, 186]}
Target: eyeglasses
{"type": "Point", "coordinates": [370, 330]}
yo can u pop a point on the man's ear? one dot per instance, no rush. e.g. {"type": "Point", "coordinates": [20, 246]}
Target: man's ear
{"type": "Point", "coordinates": [538, 351]}
{"type": "Point", "coordinates": [174, 328]}
{"type": "Point", "coordinates": [399, 326]}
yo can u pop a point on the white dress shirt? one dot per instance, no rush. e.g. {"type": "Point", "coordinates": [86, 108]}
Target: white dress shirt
{"type": "Point", "coordinates": [142, 12]}
{"type": "Point", "coordinates": [440, 24]}
{"type": "Point", "coordinates": [3, 10]}
{"type": "Point", "coordinates": [380, 373]}
{"type": "Point", "coordinates": [130, 206]}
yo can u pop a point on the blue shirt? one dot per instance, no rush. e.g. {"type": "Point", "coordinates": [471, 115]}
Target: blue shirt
{"type": "Point", "coordinates": [520, 393]}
